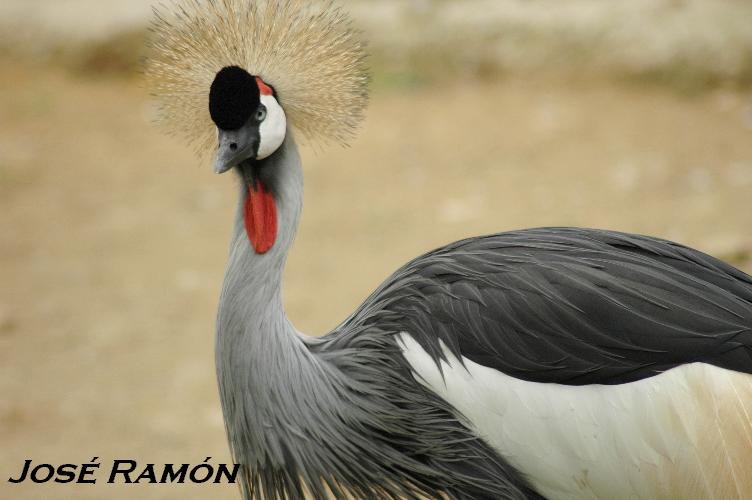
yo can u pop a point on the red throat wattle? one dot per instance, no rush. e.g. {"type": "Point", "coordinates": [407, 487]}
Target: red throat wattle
{"type": "Point", "coordinates": [260, 214]}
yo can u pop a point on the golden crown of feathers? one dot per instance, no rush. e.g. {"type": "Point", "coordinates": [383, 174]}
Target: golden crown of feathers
{"type": "Point", "coordinates": [307, 50]}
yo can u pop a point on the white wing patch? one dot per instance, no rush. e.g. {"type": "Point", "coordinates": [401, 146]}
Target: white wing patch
{"type": "Point", "coordinates": [686, 433]}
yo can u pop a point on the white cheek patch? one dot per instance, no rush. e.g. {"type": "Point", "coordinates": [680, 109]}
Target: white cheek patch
{"type": "Point", "coordinates": [273, 129]}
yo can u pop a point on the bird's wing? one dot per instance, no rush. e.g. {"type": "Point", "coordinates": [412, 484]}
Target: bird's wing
{"type": "Point", "coordinates": [569, 306]}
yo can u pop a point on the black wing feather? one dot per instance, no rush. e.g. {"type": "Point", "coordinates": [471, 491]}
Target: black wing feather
{"type": "Point", "coordinates": [570, 306]}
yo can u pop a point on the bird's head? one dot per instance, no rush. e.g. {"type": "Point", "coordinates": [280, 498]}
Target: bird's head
{"type": "Point", "coordinates": [266, 67]}
{"type": "Point", "coordinates": [251, 124]}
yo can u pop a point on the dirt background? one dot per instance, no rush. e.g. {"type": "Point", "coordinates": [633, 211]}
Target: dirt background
{"type": "Point", "coordinates": [113, 237]}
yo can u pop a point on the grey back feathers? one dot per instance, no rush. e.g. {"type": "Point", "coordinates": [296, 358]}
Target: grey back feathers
{"type": "Point", "coordinates": [571, 306]}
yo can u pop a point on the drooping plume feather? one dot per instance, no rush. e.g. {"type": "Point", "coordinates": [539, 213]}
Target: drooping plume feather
{"type": "Point", "coordinates": [306, 49]}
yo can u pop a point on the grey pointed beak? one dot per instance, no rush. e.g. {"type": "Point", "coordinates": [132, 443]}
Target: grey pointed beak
{"type": "Point", "coordinates": [235, 146]}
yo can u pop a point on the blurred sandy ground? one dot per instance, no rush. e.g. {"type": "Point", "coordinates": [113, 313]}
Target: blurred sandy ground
{"type": "Point", "coordinates": [113, 237]}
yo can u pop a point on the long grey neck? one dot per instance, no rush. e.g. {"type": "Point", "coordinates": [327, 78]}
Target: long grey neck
{"type": "Point", "coordinates": [256, 345]}
{"type": "Point", "coordinates": [251, 300]}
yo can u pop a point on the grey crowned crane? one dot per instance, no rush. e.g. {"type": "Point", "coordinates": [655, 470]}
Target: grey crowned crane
{"type": "Point", "coordinates": [554, 363]}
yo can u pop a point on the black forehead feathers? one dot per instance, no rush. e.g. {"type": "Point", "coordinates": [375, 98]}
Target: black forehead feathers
{"type": "Point", "coordinates": [234, 96]}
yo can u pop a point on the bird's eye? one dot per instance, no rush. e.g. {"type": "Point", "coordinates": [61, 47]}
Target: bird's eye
{"type": "Point", "coordinates": [261, 113]}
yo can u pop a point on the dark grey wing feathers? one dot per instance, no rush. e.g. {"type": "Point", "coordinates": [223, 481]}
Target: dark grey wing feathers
{"type": "Point", "coordinates": [570, 306]}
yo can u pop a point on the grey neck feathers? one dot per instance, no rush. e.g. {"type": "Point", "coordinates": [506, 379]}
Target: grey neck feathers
{"type": "Point", "coordinates": [255, 279]}
{"type": "Point", "coordinates": [255, 340]}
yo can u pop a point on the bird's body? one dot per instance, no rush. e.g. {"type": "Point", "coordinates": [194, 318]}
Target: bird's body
{"type": "Point", "coordinates": [587, 363]}
{"type": "Point", "coordinates": [557, 363]}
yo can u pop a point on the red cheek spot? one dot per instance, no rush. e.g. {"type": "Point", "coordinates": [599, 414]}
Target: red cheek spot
{"type": "Point", "coordinates": [263, 87]}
